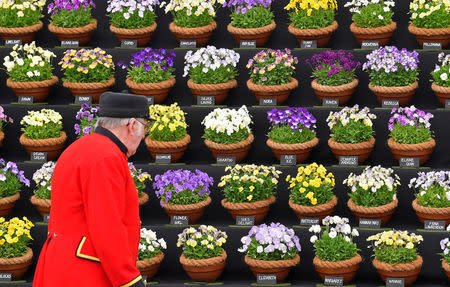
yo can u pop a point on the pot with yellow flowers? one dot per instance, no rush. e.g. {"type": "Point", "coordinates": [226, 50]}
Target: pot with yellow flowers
{"type": "Point", "coordinates": [42, 194]}
{"type": "Point", "coordinates": [249, 190]}
{"type": "Point", "coordinates": [15, 255]}
{"type": "Point", "coordinates": [150, 253]}
{"type": "Point", "coordinates": [445, 247]}
{"type": "Point", "coordinates": [396, 255]}
{"type": "Point", "coordinates": [11, 181]}
{"type": "Point", "coordinates": [139, 178]}
{"type": "Point", "coordinates": [311, 192]}
{"type": "Point", "coordinates": [203, 256]}
{"type": "Point", "coordinates": [4, 119]}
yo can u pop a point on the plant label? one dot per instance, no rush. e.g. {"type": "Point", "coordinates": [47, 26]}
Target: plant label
{"type": "Point", "coordinates": [395, 282]}
{"type": "Point", "coordinates": [70, 43]}
{"type": "Point", "coordinates": [231, 160]}
{"type": "Point", "coordinates": [163, 158]}
{"type": "Point", "coordinates": [308, 44]}
{"type": "Point", "coordinates": [308, 221]}
{"type": "Point", "coordinates": [330, 102]}
{"type": "Point", "coordinates": [369, 223]}
{"type": "Point", "coordinates": [126, 43]}
{"type": "Point", "coordinates": [348, 160]}
{"type": "Point", "coordinates": [245, 220]}
{"type": "Point", "coordinates": [370, 45]}
{"type": "Point", "coordinates": [179, 220]}
{"type": "Point", "coordinates": [188, 44]}
{"type": "Point", "coordinates": [79, 100]}
{"type": "Point", "coordinates": [333, 281]}
{"type": "Point", "coordinates": [5, 276]}
{"type": "Point", "coordinates": [46, 218]}
{"type": "Point", "coordinates": [38, 156]}
{"type": "Point", "coordinates": [13, 42]}
{"type": "Point", "coordinates": [151, 100]}
{"type": "Point", "coordinates": [432, 46]}
{"type": "Point", "coordinates": [25, 99]}
{"type": "Point", "coordinates": [206, 100]}
{"type": "Point", "coordinates": [434, 225]}
{"type": "Point", "coordinates": [388, 104]}
{"type": "Point", "coordinates": [447, 104]}
{"type": "Point", "coordinates": [266, 279]}
{"type": "Point", "coordinates": [247, 44]}
{"type": "Point", "coordinates": [288, 159]}
{"type": "Point", "coordinates": [409, 162]}
{"type": "Point", "coordinates": [268, 102]}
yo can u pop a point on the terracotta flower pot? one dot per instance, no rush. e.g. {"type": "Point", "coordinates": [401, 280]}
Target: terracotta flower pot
{"type": "Point", "coordinates": [362, 150]}
{"type": "Point", "coordinates": [279, 92]}
{"type": "Point", "coordinates": [194, 211]}
{"type": "Point", "coordinates": [27, 34]}
{"type": "Point", "coordinates": [345, 268]}
{"type": "Point", "coordinates": [342, 92]}
{"type": "Point", "coordinates": [174, 148]}
{"type": "Point", "coordinates": [441, 35]}
{"type": "Point", "coordinates": [204, 270]}
{"type": "Point", "coordinates": [431, 213]}
{"type": "Point", "coordinates": [2, 137]}
{"type": "Point", "coordinates": [52, 146]}
{"type": "Point", "coordinates": [280, 268]}
{"type": "Point", "coordinates": [422, 151]}
{"type": "Point", "coordinates": [383, 212]}
{"type": "Point", "coordinates": [200, 34]}
{"type": "Point", "coordinates": [219, 91]}
{"type": "Point", "coordinates": [409, 271]}
{"type": "Point", "coordinates": [322, 35]}
{"type": "Point", "coordinates": [158, 90]}
{"type": "Point", "coordinates": [381, 34]}
{"type": "Point", "coordinates": [320, 211]}
{"type": "Point", "coordinates": [446, 267]}
{"type": "Point", "coordinates": [149, 267]}
{"type": "Point", "coordinates": [442, 93]}
{"type": "Point", "coordinates": [82, 34]}
{"type": "Point", "coordinates": [301, 150]}
{"type": "Point", "coordinates": [17, 266]}
{"type": "Point", "coordinates": [258, 209]}
{"type": "Point", "coordinates": [261, 34]}
{"type": "Point", "coordinates": [142, 35]}
{"type": "Point", "coordinates": [39, 90]}
{"type": "Point", "coordinates": [239, 150]}
{"type": "Point", "coordinates": [402, 94]}
{"type": "Point", "coordinates": [7, 204]}
{"type": "Point", "coordinates": [143, 198]}
{"type": "Point", "coordinates": [42, 205]}
{"type": "Point", "coordinates": [95, 90]}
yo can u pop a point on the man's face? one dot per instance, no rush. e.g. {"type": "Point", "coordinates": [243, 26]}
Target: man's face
{"type": "Point", "coordinates": [136, 133]}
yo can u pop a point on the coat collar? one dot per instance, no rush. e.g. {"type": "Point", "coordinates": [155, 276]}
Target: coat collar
{"type": "Point", "coordinates": [107, 133]}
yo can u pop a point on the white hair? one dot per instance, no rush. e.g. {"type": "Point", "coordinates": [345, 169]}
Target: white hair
{"type": "Point", "coordinates": [110, 123]}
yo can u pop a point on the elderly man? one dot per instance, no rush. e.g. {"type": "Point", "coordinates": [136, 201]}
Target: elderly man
{"type": "Point", "coordinates": [94, 228]}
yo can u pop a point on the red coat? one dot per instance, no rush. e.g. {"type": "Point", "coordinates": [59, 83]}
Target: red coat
{"type": "Point", "coordinates": [94, 228]}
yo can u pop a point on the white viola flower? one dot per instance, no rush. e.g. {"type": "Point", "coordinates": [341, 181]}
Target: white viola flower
{"type": "Point", "coordinates": [259, 249]}
{"type": "Point", "coordinates": [313, 239]}
{"type": "Point", "coordinates": [355, 232]}
{"type": "Point", "coordinates": [332, 234]}
{"type": "Point", "coordinates": [444, 76]}
{"type": "Point", "coordinates": [30, 74]}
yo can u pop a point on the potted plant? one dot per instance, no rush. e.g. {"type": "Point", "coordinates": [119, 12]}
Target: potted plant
{"type": "Point", "coordinates": [19, 21]}
{"type": "Point", "coordinates": [445, 246]}
{"type": "Point", "coordinates": [167, 133]}
{"type": "Point", "coordinates": [312, 20]}
{"type": "Point", "coordinates": [373, 193]}
{"type": "Point", "coordinates": [88, 72]}
{"type": "Point", "coordinates": [87, 117]}
{"type": "Point", "coordinates": [249, 190]}
{"type": "Point", "coordinates": [184, 192]}
{"type": "Point", "coordinates": [203, 257]}
{"type": "Point", "coordinates": [432, 201]}
{"type": "Point", "coordinates": [211, 71]}
{"type": "Point", "coordinates": [441, 78]}
{"type": "Point", "coordinates": [132, 20]}
{"type": "Point", "coordinates": [228, 133]}
{"type": "Point", "coordinates": [42, 132]}
{"type": "Point", "coordinates": [292, 132]}
{"type": "Point", "coordinates": [372, 20]}
{"type": "Point", "coordinates": [150, 253]}
{"type": "Point", "coordinates": [311, 192]}
{"type": "Point", "coordinates": [150, 73]}
{"type": "Point", "coordinates": [11, 181]}
{"type": "Point", "coordinates": [271, 74]}
{"type": "Point", "coordinates": [271, 249]}
{"type": "Point", "coordinates": [351, 132]}
{"type": "Point", "coordinates": [410, 134]}
{"type": "Point", "coordinates": [251, 20]}
{"type": "Point", "coordinates": [4, 119]}
{"type": "Point", "coordinates": [139, 178]}
{"type": "Point", "coordinates": [192, 20]}
{"type": "Point", "coordinates": [30, 71]}
{"type": "Point", "coordinates": [430, 21]}
{"type": "Point", "coordinates": [334, 75]}
{"type": "Point", "coordinates": [336, 253]}
{"type": "Point", "coordinates": [392, 73]}
{"type": "Point", "coordinates": [396, 255]}
{"type": "Point", "coordinates": [14, 251]}
{"type": "Point", "coordinates": [72, 20]}
{"type": "Point", "coordinates": [42, 195]}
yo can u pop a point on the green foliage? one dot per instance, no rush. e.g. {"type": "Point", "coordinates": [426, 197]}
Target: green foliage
{"type": "Point", "coordinates": [434, 196]}
{"type": "Point", "coordinates": [353, 132]}
{"type": "Point", "coordinates": [275, 255]}
{"type": "Point", "coordinates": [256, 17]}
{"type": "Point", "coordinates": [395, 255]}
{"type": "Point", "coordinates": [46, 131]}
{"type": "Point", "coordinates": [369, 17]}
{"type": "Point", "coordinates": [72, 18]}
{"type": "Point", "coordinates": [184, 197]}
{"type": "Point", "coordinates": [410, 134]}
{"type": "Point", "coordinates": [43, 192]}
{"type": "Point", "coordinates": [154, 75]}
{"type": "Point", "coordinates": [437, 19]}
{"type": "Point", "coordinates": [224, 138]}
{"type": "Point", "coordinates": [440, 75]}
{"type": "Point", "coordinates": [220, 75]}
{"type": "Point", "coordinates": [367, 198]}
{"type": "Point", "coordinates": [9, 186]}
{"type": "Point", "coordinates": [134, 21]}
{"type": "Point", "coordinates": [319, 19]}
{"type": "Point", "coordinates": [182, 19]}
{"type": "Point", "coordinates": [285, 135]}
{"type": "Point", "coordinates": [340, 78]}
{"type": "Point", "coordinates": [19, 73]}
{"type": "Point", "coordinates": [394, 79]}
{"type": "Point", "coordinates": [165, 135]}
{"type": "Point", "coordinates": [9, 18]}
{"type": "Point", "coordinates": [334, 249]}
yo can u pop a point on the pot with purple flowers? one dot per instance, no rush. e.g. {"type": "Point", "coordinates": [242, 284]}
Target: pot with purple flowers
{"type": "Point", "coordinates": [441, 79]}
{"type": "Point", "coordinates": [4, 119]}
{"type": "Point", "coordinates": [11, 181]}
{"type": "Point", "coordinates": [271, 249]}
{"type": "Point", "coordinates": [42, 194]}
{"type": "Point", "coordinates": [445, 247]}
{"type": "Point", "coordinates": [140, 177]}
{"type": "Point", "coordinates": [184, 192]}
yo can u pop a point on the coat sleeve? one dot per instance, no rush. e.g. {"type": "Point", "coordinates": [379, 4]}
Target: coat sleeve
{"type": "Point", "coordinates": [104, 200]}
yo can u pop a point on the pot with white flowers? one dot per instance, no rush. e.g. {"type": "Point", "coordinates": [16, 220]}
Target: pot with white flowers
{"type": "Point", "coordinates": [139, 178]}
{"type": "Point", "coordinates": [445, 247]}
{"type": "Point", "coordinates": [373, 193]}
{"type": "Point", "coordinates": [203, 256]}
{"type": "Point", "coordinates": [336, 253]}
{"type": "Point", "coordinates": [211, 72]}
{"type": "Point", "coordinates": [4, 120]}
{"type": "Point", "coordinates": [264, 256]}
{"type": "Point", "coordinates": [311, 192]}
{"type": "Point", "coordinates": [150, 253]}
{"type": "Point", "coordinates": [42, 194]}
{"type": "Point", "coordinates": [11, 181]}
{"type": "Point", "coordinates": [249, 190]}
{"type": "Point", "coordinates": [441, 79]}
{"type": "Point", "coordinates": [432, 200]}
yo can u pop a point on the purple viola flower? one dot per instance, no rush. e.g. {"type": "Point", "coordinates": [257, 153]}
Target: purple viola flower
{"type": "Point", "coordinates": [12, 169]}
{"type": "Point", "coordinates": [334, 62]}
{"type": "Point", "coordinates": [296, 118]}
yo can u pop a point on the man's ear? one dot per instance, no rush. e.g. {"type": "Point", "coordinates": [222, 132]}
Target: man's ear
{"type": "Point", "coordinates": [130, 126]}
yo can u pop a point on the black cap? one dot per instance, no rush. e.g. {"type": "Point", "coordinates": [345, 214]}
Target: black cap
{"type": "Point", "coordinates": [121, 105]}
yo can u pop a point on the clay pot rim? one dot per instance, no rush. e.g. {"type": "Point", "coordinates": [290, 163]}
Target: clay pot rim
{"type": "Point", "coordinates": [203, 262]}
{"type": "Point", "coordinates": [313, 32]}
{"type": "Point", "coordinates": [10, 199]}
{"type": "Point", "coordinates": [22, 30]}
{"type": "Point", "coordinates": [417, 263]}
{"type": "Point", "coordinates": [132, 32]}
{"type": "Point", "coordinates": [440, 89]}
{"type": "Point", "coordinates": [248, 141]}
{"type": "Point", "coordinates": [186, 207]}
{"type": "Point", "coordinates": [373, 209]}
{"type": "Point", "coordinates": [73, 30]}
{"type": "Point", "coordinates": [431, 143]}
{"type": "Point", "coordinates": [88, 86]}
{"type": "Point", "coordinates": [272, 263]}
{"type": "Point", "coordinates": [248, 205]}
{"type": "Point", "coordinates": [2, 135]}
{"type": "Point", "coordinates": [272, 88]}
{"type": "Point", "coordinates": [445, 265]}
{"type": "Point", "coordinates": [393, 90]}
{"type": "Point", "coordinates": [351, 146]}
{"type": "Point", "coordinates": [373, 31]}
{"type": "Point", "coordinates": [147, 262]}
{"type": "Point", "coordinates": [334, 89]}
{"type": "Point", "coordinates": [429, 210]}
{"type": "Point", "coordinates": [150, 86]}
{"type": "Point", "coordinates": [355, 260]}
{"type": "Point", "coordinates": [171, 144]}
{"type": "Point", "coordinates": [40, 201]}
{"type": "Point", "coordinates": [33, 84]}
{"type": "Point", "coordinates": [143, 198]}
{"type": "Point", "coordinates": [212, 87]}
{"type": "Point", "coordinates": [43, 142]}
{"type": "Point", "coordinates": [251, 31]}
{"type": "Point", "coordinates": [18, 260]}
{"type": "Point", "coordinates": [317, 208]}
{"type": "Point", "coordinates": [428, 31]}
{"type": "Point", "coordinates": [292, 147]}
{"type": "Point", "coordinates": [174, 28]}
